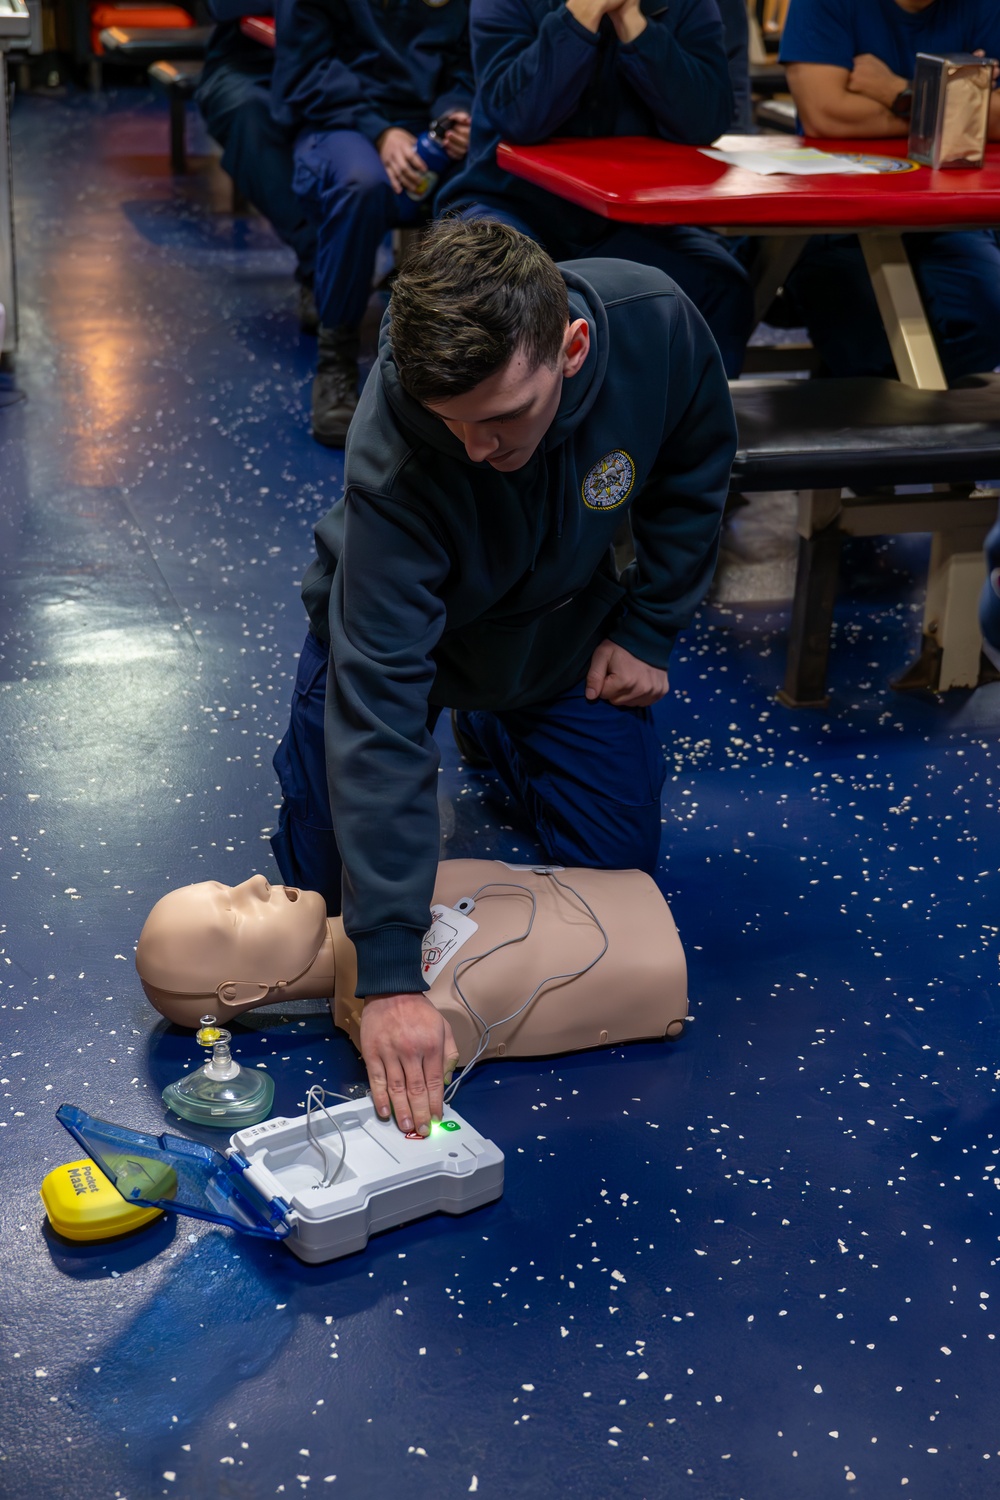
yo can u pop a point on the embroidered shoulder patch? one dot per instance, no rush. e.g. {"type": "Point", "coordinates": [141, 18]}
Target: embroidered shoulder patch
{"type": "Point", "coordinates": [609, 481]}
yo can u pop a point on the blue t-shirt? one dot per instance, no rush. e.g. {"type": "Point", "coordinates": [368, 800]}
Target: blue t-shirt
{"type": "Point", "coordinates": [835, 32]}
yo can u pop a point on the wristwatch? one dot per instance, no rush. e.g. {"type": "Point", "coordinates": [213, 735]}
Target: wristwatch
{"type": "Point", "coordinates": [902, 105]}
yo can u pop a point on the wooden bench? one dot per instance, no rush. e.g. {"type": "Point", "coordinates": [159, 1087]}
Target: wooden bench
{"type": "Point", "coordinates": [847, 447]}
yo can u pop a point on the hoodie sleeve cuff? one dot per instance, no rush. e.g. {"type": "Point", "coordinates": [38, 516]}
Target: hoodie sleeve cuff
{"type": "Point", "coordinates": [577, 28]}
{"type": "Point", "coordinates": [648, 643]}
{"type": "Point", "coordinates": [389, 961]}
{"type": "Point", "coordinates": [372, 126]}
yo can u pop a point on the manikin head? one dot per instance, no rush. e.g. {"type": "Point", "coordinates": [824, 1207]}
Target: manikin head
{"type": "Point", "coordinates": [481, 336]}
{"type": "Point", "coordinates": [221, 949]}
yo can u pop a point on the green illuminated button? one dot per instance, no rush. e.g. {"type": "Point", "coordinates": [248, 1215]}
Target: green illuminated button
{"type": "Point", "coordinates": [450, 1125]}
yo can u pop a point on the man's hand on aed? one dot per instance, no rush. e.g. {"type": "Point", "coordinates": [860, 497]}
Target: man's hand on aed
{"type": "Point", "coordinates": [873, 78]}
{"type": "Point", "coordinates": [456, 137]}
{"type": "Point", "coordinates": [622, 679]}
{"type": "Point", "coordinates": [403, 166]}
{"type": "Point", "coordinates": [409, 1050]}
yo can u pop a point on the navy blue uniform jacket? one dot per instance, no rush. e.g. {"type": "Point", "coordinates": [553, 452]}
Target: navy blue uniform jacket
{"type": "Point", "coordinates": [540, 73]}
{"type": "Point", "coordinates": [354, 65]}
{"type": "Point", "coordinates": [441, 581]}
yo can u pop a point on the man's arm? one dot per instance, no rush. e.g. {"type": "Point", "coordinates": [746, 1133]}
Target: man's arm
{"type": "Point", "coordinates": [456, 80]}
{"type": "Point", "coordinates": [677, 516]}
{"type": "Point", "coordinates": [678, 66]}
{"type": "Point", "coordinates": [530, 74]}
{"type": "Point", "coordinates": [836, 102]}
{"type": "Point", "coordinates": [386, 617]}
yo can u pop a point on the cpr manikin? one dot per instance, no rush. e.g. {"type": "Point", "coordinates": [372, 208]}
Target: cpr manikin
{"type": "Point", "coordinates": [221, 950]}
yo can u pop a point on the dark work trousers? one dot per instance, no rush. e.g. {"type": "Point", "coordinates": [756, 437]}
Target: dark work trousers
{"type": "Point", "coordinates": [343, 187]}
{"type": "Point", "coordinates": [586, 777]}
{"type": "Point", "coordinates": [959, 280]}
{"type": "Point", "coordinates": [257, 153]}
{"type": "Point", "coordinates": [701, 263]}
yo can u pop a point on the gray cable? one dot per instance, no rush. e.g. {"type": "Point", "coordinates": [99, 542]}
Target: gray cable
{"type": "Point", "coordinates": [485, 1029]}
{"type": "Point", "coordinates": [316, 1098]}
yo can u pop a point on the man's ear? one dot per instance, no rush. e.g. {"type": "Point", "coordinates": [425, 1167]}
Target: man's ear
{"type": "Point", "coordinates": [576, 347]}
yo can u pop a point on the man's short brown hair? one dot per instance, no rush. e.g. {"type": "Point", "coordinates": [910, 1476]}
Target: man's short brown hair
{"type": "Point", "coordinates": [475, 293]}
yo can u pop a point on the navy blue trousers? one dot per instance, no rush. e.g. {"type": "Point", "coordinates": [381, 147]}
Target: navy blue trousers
{"type": "Point", "coordinates": [701, 263]}
{"type": "Point", "coordinates": [586, 778]}
{"type": "Point", "coordinates": [343, 187]}
{"type": "Point", "coordinates": [257, 153]}
{"type": "Point", "coordinates": [959, 280]}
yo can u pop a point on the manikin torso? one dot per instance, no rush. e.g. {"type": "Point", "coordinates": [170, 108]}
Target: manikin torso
{"type": "Point", "coordinates": [211, 949]}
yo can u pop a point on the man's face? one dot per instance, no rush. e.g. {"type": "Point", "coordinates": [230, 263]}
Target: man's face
{"type": "Point", "coordinates": [502, 420]}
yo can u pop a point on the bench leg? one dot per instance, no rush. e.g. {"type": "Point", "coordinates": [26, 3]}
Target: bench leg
{"type": "Point", "coordinates": [178, 135]}
{"type": "Point", "coordinates": [952, 645]}
{"type": "Point", "coordinates": [812, 607]}
{"type": "Point", "coordinates": [899, 302]}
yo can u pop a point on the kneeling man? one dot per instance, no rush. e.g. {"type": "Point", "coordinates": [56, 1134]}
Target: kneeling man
{"type": "Point", "coordinates": [518, 412]}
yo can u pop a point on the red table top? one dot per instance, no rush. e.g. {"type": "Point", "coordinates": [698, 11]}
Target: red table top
{"type": "Point", "coordinates": [259, 29]}
{"type": "Point", "coordinates": [641, 180]}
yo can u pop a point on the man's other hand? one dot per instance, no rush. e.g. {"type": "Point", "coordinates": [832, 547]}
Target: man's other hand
{"type": "Point", "coordinates": [456, 137]}
{"type": "Point", "coordinates": [621, 678]}
{"type": "Point", "coordinates": [409, 1049]}
{"type": "Point", "coordinates": [403, 166]}
{"type": "Point", "coordinates": [873, 78]}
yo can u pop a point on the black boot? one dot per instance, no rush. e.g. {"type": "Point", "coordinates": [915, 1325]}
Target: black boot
{"type": "Point", "coordinates": [335, 388]}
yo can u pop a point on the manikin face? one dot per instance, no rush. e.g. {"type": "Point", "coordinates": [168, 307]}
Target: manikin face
{"type": "Point", "coordinates": [201, 936]}
{"type": "Point", "coordinates": [502, 420]}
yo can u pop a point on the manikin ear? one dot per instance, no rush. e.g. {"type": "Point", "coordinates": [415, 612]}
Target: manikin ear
{"type": "Point", "coordinates": [576, 346]}
{"type": "Point", "coordinates": [242, 992]}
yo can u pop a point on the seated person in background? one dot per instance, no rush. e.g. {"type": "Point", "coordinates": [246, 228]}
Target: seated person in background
{"type": "Point", "coordinates": [234, 97]}
{"type": "Point", "coordinates": [358, 83]}
{"type": "Point", "coordinates": [850, 67]}
{"type": "Point", "coordinates": [519, 411]}
{"type": "Point", "coordinates": [736, 27]}
{"type": "Point", "coordinates": [604, 68]}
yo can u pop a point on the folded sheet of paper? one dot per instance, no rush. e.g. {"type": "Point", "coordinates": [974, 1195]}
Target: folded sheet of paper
{"type": "Point", "coordinates": [758, 155]}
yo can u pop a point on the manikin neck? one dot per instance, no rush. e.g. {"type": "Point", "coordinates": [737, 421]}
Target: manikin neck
{"type": "Point", "coordinates": [317, 983]}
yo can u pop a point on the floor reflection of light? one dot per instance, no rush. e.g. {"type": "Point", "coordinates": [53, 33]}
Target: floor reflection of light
{"type": "Point", "coordinates": [101, 647]}
{"type": "Point", "coordinates": [104, 395]}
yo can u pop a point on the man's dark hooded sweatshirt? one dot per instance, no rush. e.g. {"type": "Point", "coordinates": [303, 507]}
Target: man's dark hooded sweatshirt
{"type": "Point", "coordinates": [540, 73]}
{"type": "Point", "coordinates": [440, 581]}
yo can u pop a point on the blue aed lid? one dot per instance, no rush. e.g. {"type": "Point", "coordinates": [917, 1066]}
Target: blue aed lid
{"type": "Point", "coordinates": [179, 1176]}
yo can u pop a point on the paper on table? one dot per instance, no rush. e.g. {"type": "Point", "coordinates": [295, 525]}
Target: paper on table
{"type": "Point", "coordinates": [792, 161]}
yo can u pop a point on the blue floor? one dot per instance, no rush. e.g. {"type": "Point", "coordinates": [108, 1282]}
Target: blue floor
{"type": "Point", "coordinates": [757, 1264]}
